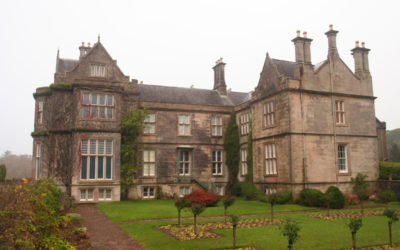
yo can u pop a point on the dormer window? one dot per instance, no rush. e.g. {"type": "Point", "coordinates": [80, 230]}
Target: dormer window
{"type": "Point", "coordinates": [97, 70]}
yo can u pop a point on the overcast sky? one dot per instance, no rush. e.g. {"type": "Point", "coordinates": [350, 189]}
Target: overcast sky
{"type": "Point", "coordinates": [176, 43]}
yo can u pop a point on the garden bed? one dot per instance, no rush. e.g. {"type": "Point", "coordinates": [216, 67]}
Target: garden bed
{"type": "Point", "coordinates": [347, 215]}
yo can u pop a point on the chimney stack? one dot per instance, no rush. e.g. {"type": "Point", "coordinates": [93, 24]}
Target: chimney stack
{"type": "Point", "coordinates": [302, 48]}
{"type": "Point", "coordinates": [331, 34]}
{"type": "Point", "coordinates": [83, 50]}
{"type": "Point", "coordinates": [219, 77]}
{"type": "Point", "coordinates": [360, 54]}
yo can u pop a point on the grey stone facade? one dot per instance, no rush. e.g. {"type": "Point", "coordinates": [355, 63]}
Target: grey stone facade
{"type": "Point", "coordinates": [313, 126]}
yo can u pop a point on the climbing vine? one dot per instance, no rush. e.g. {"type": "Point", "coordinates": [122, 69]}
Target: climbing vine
{"type": "Point", "coordinates": [132, 124]}
{"type": "Point", "coordinates": [232, 149]}
{"type": "Point", "coordinates": [249, 159]}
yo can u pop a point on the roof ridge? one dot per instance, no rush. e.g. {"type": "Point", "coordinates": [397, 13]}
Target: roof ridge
{"type": "Point", "coordinates": [282, 60]}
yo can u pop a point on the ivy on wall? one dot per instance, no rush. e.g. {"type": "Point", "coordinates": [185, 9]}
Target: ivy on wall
{"type": "Point", "coordinates": [249, 159]}
{"type": "Point", "coordinates": [232, 149]}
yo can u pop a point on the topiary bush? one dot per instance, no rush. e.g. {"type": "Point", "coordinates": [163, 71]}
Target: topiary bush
{"type": "Point", "coordinates": [247, 190]}
{"type": "Point", "coordinates": [335, 197]}
{"type": "Point", "coordinates": [312, 198]}
{"type": "Point", "coordinates": [284, 197]}
{"type": "Point", "coordinates": [385, 196]}
{"type": "Point", "coordinates": [202, 197]}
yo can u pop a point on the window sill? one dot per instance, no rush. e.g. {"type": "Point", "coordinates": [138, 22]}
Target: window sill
{"type": "Point", "coordinates": [344, 173]}
{"type": "Point", "coordinates": [270, 126]}
{"type": "Point", "coordinates": [271, 175]}
{"type": "Point", "coordinates": [218, 175]}
{"type": "Point", "coordinates": [341, 125]}
{"type": "Point", "coordinates": [184, 135]}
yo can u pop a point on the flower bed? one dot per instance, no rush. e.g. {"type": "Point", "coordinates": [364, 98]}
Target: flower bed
{"type": "Point", "coordinates": [340, 216]}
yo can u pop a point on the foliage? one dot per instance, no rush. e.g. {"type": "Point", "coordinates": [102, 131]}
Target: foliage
{"type": "Point", "coordinates": [132, 124]}
{"type": "Point", "coordinates": [284, 197]}
{"type": "Point", "coordinates": [291, 231]}
{"type": "Point", "coordinates": [334, 197]}
{"type": "Point", "coordinates": [391, 215]}
{"type": "Point", "coordinates": [40, 133]}
{"type": "Point", "coordinates": [180, 204]}
{"type": "Point", "coordinates": [249, 159]}
{"type": "Point", "coordinates": [196, 209]}
{"type": "Point", "coordinates": [247, 190]}
{"type": "Point", "coordinates": [389, 170]}
{"type": "Point", "coordinates": [394, 153]}
{"type": "Point", "coordinates": [360, 186]}
{"type": "Point", "coordinates": [312, 198]}
{"type": "Point", "coordinates": [355, 224]}
{"type": "Point", "coordinates": [31, 216]}
{"type": "Point", "coordinates": [352, 199]}
{"type": "Point", "coordinates": [3, 172]}
{"type": "Point", "coordinates": [228, 201]}
{"type": "Point", "coordinates": [232, 149]}
{"type": "Point", "coordinates": [234, 219]}
{"type": "Point", "coordinates": [386, 196]}
{"type": "Point", "coordinates": [202, 197]}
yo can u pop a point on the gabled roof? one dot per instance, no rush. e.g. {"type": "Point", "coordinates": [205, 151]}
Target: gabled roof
{"type": "Point", "coordinates": [164, 94]}
{"type": "Point", "coordinates": [285, 68]}
{"type": "Point", "coordinates": [65, 65]}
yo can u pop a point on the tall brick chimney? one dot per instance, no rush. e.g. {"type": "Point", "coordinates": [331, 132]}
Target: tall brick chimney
{"type": "Point", "coordinates": [331, 34]}
{"type": "Point", "coordinates": [219, 77]}
{"type": "Point", "coordinates": [83, 49]}
{"type": "Point", "coordinates": [360, 54]}
{"type": "Point", "coordinates": [302, 47]}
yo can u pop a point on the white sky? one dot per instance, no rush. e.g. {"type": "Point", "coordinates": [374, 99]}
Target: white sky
{"type": "Point", "coordinates": [176, 43]}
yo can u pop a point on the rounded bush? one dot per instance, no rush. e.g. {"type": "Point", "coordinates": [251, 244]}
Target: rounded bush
{"type": "Point", "coordinates": [312, 198]}
{"type": "Point", "coordinates": [385, 196]}
{"type": "Point", "coordinates": [202, 197]}
{"type": "Point", "coordinates": [335, 197]}
{"type": "Point", "coordinates": [284, 197]}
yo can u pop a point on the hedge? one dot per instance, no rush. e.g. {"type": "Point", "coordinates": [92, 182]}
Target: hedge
{"type": "Point", "coordinates": [387, 169]}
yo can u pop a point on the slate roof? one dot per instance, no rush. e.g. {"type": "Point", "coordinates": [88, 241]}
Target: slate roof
{"type": "Point", "coordinates": [285, 68]}
{"type": "Point", "coordinates": [164, 94]}
{"type": "Point", "coordinates": [65, 65]}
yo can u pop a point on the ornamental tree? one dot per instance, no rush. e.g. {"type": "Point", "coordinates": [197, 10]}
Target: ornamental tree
{"type": "Point", "coordinates": [392, 216]}
{"type": "Point", "coordinates": [234, 219]}
{"type": "Point", "coordinates": [272, 199]}
{"type": "Point", "coordinates": [196, 210]}
{"type": "Point", "coordinates": [227, 201]}
{"type": "Point", "coordinates": [355, 224]}
{"type": "Point", "coordinates": [180, 204]}
{"type": "Point", "coordinates": [291, 231]}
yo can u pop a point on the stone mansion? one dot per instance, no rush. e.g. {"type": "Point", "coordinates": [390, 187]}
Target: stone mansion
{"type": "Point", "coordinates": [313, 126]}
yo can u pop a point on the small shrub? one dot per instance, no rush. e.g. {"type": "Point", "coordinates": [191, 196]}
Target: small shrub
{"type": "Point", "coordinates": [352, 199]}
{"type": "Point", "coordinates": [205, 198]}
{"type": "Point", "coordinates": [284, 197]}
{"type": "Point", "coordinates": [247, 190]}
{"type": "Point", "coordinates": [335, 197]}
{"type": "Point", "coordinates": [291, 231]}
{"type": "Point", "coordinates": [312, 198]}
{"type": "Point", "coordinates": [385, 196]}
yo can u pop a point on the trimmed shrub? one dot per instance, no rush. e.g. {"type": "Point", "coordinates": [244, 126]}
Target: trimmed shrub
{"type": "Point", "coordinates": [335, 197]}
{"type": "Point", "coordinates": [389, 169]}
{"type": "Point", "coordinates": [312, 198]}
{"type": "Point", "coordinates": [202, 197]}
{"type": "Point", "coordinates": [385, 196]}
{"type": "Point", "coordinates": [284, 197]}
{"type": "Point", "coordinates": [247, 190]}
{"type": "Point", "coordinates": [352, 199]}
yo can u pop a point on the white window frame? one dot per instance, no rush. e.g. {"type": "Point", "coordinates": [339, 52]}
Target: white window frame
{"type": "Point", "coordinates": [243, 160]}
{"type": "Point", "coordinates": [97, 149]}
{"type": "Point", "coordinates": [219, 190]}
{"type": "Point", "coordinates": [340, 112]}
{"type": "Point", "coordinates": [184, 190]}
{"type": "Point", "coordinates": [149, 163]}
{"type": "Point", "coordinates": [342, 157]}
{"type": "Point", "coordinates": [269, 191]}
{"type": "Point", "coordinates": [184, 124]}
{"type": "Point", "coordinates": [147, 190]}
{"type": "Point", "coordinates": [103, 194]}
{"type": "Point", "coordinates": [185, 164]}
{"type": "Point", "coordinates": [217, 162]}
{"type": "Point", "coordinates": [40, 112]}
{"type": "Point", "coordinates": [150, 124]}
{"type": "Point", "coordinates": [244, 121]}
{"type": "Point", "coordinates": [97, 70]}
{"type": "Point", "coordinates": [86, 194]}
{"type": "Point", "coordinates": [269, 114]}
{"type": "Point", "coordinates": [97, 106]}
{"type": "Point", "coordinates": [216, 126]}
{"type": "Point", "coordinates": [38, 161]}
{"type": "Point", "coordinates": [270, 159]}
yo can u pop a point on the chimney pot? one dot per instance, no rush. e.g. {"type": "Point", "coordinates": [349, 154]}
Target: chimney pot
{"type": "Point", "coordinates": [357, 44]}
{"type": "Point", "coordinates": [330, 26]}
{"type": "Point", "coordinates": [298, 33]}
{"type": "Point", "coordinates": [305, 34]}
{"type": "Point", "coordinates": [88, 45]}
{"type": "Point", "coordinates": [363, 44]}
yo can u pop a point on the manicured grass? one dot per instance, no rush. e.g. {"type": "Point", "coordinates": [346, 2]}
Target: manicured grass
{"type": "Point", "coordinates": [159, 209]}
{"type": "Point", "coordinates": [314, 234]}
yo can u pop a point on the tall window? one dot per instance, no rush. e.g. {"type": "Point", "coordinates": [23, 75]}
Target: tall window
{"type": "Point", "coordinates": [243, 158]}
{"type": "Point", "coordinates": [40, 113]}
{"type": "Point", "coordinates": [340, 114]}
{"type": "Point", "coordinates": [96, 159]}
{"type": "Point", "coordinates": [184, 191]}
{"type": "Point", "coordinates": [104, 194]}
{"type": "Point", "coordinates": [97, 106]}
{"type": "Point", "coordinates": [98, 70]}
{"type": "Point", "coordinates": [217, 162]}
{"type": "Point", "coordinates": [184, 125]}
{"type": "Point", "coordinates": [245, 124]}
{"type": "Point", "coordinates": [270, 159]}
{"type": "Point", "coordinates": [38, 154]}
{"type": "Point", "coordinates": [184, 162]}
{"type": "Point", "coordinates": [150, 124]}
{"type": "Point", "coordinates": [149, 163]}
{"type": "Point", "coordinates": [216, 126]}
{"type": "Point", "coordinates": [342, 158]}
{"type": "Point", "coordinates": [148, 192]}
{"type": "Point", "coordinates": [269, 114]}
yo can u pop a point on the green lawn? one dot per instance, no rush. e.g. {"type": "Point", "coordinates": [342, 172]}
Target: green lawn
{"type": "Point", "coordinates": [314, 234]}
{"type": "Point", "coordinates": [159, 209]}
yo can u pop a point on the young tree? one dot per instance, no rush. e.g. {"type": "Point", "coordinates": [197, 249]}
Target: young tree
{"type": "Point", "coordinates": [392, 216]}
{"type": "Point", "coordinates": [3, 172]}
{"type": "Point", "coordinates": [232, 149]}
{"type": "Point", "coordinates": [180, 204]}
{"type": "Point", "coordinates": [234, 220]}
{"type": "Point", "coordinates": [360, 188]}
{"type": "Point", "coordinates": [227, 201]}
{"type": "Point", "coordinates": [132, 124]}
{"type": "Point", "coordinates": [272, 199]}
{"type": "Point", "coordinates": [355, 224]}
{"type": "Point", "coordinates": [196, 210]}
{"type": "Point", "coordinates": [291, 231]}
